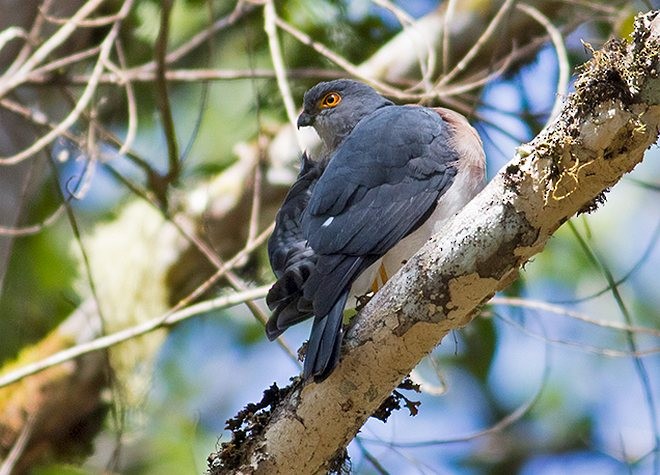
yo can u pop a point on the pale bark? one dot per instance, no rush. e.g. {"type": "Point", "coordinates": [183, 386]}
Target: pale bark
{"type": "Point", "coordinates": [601, 134]}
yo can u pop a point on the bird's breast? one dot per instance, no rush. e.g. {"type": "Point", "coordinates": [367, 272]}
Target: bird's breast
{"type": "Point", "coordinates": [468, 182]}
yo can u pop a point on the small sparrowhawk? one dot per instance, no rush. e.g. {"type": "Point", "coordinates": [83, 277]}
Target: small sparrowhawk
{"type": "Point", "coordinates": [387, 178]}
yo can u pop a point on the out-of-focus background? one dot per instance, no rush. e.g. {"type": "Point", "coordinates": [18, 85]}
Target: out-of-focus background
{"type": "Point", "coordinates": [147, 144]}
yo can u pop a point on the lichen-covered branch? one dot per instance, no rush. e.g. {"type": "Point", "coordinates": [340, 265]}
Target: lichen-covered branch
{"type": "Point", "coordinates": [601, 134]}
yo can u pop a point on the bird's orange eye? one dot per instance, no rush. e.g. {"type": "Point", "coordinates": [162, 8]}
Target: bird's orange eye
{"type": "Point", "coordinates": [330, 100]}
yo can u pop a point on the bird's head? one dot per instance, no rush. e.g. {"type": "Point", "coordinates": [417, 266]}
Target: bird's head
{"type": "Point", "coordinates": [333, 108]}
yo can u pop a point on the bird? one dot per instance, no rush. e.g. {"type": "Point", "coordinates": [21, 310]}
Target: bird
{"type": "Point", "coordinates": [385, 180]}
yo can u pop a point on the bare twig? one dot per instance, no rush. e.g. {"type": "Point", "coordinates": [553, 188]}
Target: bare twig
{"type": "Point", "coordinates": [42, 74]}
{"type": "Point", "coordinates": [337, 59]}
{"type": "Point", "coordinates": [477, 47]}
{"type": "Point", "coordinates": [559, 310]}
{"type": "Point", "coordinates": [580, 346]}
{"type": "Point", "coordinates": [84, 183]}
{"type": "Point", "coordinates": [179, 75]}
{"type": "Point", "coordinates": [562, 56]}
{"type": "Point", "coordinates": [255, 210]}
{"type": "Point", "coordinates": [34, 228]}
{"type": "Point", "coordinates": [9, 82]}
{"type": "Point", "coordinates": [225, 270]}
{"type": "Point", "coordinates": [270, 17]}
{"type": "Point", "coordinates": [477, 83]}
{"type": "Point", "coordinates": [86, 96]}
{"type": "Point", "coordinates": [12, 33]}
{"type": "Point", "coordinates": [162, 95]}
{"type": "Point", "coordinates": [502, 424]}
{"type": "Point", "coordinates": [223, 267]}
{"type": "Point", "coordinates": [108, 341]}
{"type": "Point", "coordinates": [427, 67]}
{"type": "Point", "coordinates": [95, 23]}
{"type": "Point", "coordinates": [35, 116]}
{"type": "Point", "coordinates": [448, 17]}
{"type": "Point", "coordinates": [631, 341]}
{"type": "Point", "coordinates": [31, 40]}
{"type": "Point", "coordinates": [131, 130]}
{"type": "Point", "coordinates": [241, 10]}
{"type": "Point", "coordinates": [17, 450]}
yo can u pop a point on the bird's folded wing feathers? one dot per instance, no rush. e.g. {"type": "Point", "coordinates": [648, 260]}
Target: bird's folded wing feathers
{"type": "Point", "coordinates": [381, 183]}
{"type": "Point", "coordinates": [288, 240]}
{"type": "Point", "coordinates": [290, 256]}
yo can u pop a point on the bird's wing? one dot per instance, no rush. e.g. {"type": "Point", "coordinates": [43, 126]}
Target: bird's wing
{"type": "Point", "coordinates": [288, 244]}
{"type": "Point", "coordinates": [379, 186]}
{"type": "Point", "coordinates": [291, 258]}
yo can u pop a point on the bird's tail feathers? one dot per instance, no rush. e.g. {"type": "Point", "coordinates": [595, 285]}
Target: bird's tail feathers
{"type": "Point", "coordinates": [325, 341]}
{"type": "Point", "coordinates": [288, 312]}
{"type": "Point", "coordinates": [286, 299]}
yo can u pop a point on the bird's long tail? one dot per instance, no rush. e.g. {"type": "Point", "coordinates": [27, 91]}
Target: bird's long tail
{"type": "Point", "coordinates": [325, 341]}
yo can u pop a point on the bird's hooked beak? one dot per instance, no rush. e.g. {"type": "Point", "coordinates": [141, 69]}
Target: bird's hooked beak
{"type": "Point", "coordinates": [305, 119]}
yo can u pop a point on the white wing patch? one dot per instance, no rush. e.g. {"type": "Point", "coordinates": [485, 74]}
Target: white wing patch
{"type": "Point", "coordinates": [328, 222]}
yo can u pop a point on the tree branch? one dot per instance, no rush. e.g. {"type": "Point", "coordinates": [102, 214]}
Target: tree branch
{"type": "Point", "coordinates": [602, 132]}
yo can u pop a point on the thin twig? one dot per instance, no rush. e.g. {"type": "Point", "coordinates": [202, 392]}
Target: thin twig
{"type": "Point", "coordinates": [610, 10]}
{"type": "Point", "coordinates": [223, 267]}
{"type": "Point", "coordinates": [337, 59]}
{"type": "Point", "coordinates": [471, 85]}
{"type": "Point", "coordinates": [107, 341]}
{"type": "Point", "coordinates": [559, 310]}
{"type": "Point", "coordinates": [501, 65]}
{"type": "Point", "coordinates": [255, 210]}
{"type": "Point", "coordinates": [9, 82]}
{"type": "Point", "coordinates": [477, 47]}
{"type": "Point", "coordinates": [179, 75]}
{"type": "Point", "coordinates": [31, 40]}
{"type": "Point", "coordinates": [108, 135]}
{"type": "Point", "coordinates": [29, 230]}
{"type": "Point", "coordinates": [643, 259]}
{"type": "Point", "coordinates": [241, 10]}
{"type": "Point", "coordinates": [35, 116]}
{"type": "Point", "coordinates": [270, 16]}
{"type": "Point", "coordinates": [162, 95]}
{"type": "Point", "coordinates": [562, 56]}
{"type": "Point", "coordinates": [375, 463]}
{"type": "Point", "coordinates": [499, 426]}
{"type": "Point", "coordinates": [10, 34]}
{"type": "Point", "coordinates": [82, 103]}
{"type": "Point", "coordinates": [148, 69]}
{"type": "Point", "coordinates": [448, 17]}
{"type": "Point", "coordinates": [640, 367]}
{"type": "Point", "coordinates": [42, 74]}
{"type": "Point", "coordinates": [131, 130]}
{"type": "Point", "coordinates": [409, 26]}
{"type": "Point", "coordinates": [83, 185]}
{"type": "Point", "coordinates": [225, 270]}
{"type": "Point", "coordinates": [9, 463]}
{"type": "Point", "coordinates": [95, 23]}
{"type": "Point", "coordinates": [579, 346]}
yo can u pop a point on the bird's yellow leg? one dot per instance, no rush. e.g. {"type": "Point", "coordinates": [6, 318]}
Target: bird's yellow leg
{"type": "Point", "coordinates": [374, 285]}
{"type": "Point", "coordinates": [383, 273]}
